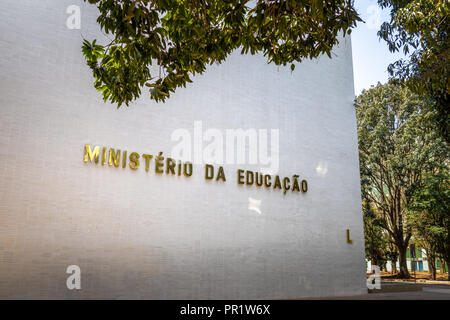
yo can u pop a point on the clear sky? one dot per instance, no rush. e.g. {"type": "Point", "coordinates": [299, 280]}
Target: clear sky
{"type": "Point", "coordinates": [371, 55]}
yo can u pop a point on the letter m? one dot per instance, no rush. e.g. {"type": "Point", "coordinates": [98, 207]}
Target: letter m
{"type": "Point", "coordinates": [91, 155]}
{"type": "Point", "coordinates": [240, 136]}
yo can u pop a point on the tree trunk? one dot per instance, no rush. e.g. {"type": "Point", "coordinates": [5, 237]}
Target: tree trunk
{"type": "Point", "coordinates": [448, 266]}
{"type": "Point", "coordinates": [432, 266]}
{"type": "Point", "coordinates": [442, 265]}
{"type": "Point", "coordinates": [394, 266]}
{"type": "Point", "coordinates": [404, 274]}
{"type": "Point", "coordinates": [431, 257]}
{"type": "Point", "coordinates": [398, 235]}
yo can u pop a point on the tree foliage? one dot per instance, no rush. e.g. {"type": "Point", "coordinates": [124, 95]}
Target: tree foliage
{"type": "Point", "coordinates": [375, 238]}
{"type": "Point", "coordinates": [421, 28]}
{"type": "Point", "coordinates": [430, 212]}
{"type": "Point", "coordinates": [182, 37]}
{"type": "Point", "coordinates": [398, 144]}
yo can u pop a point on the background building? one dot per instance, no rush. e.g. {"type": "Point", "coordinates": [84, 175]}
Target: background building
{"type": "Point", "coordinates": [419, 263]}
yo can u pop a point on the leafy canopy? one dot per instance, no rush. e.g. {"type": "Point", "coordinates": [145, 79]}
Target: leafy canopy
{"type": "Point", "coordinates": [421, 29]}
{"type": "Point", "coordinates": [430, 211]}
{"type": "Point", "coordinates": [375, 239]}
{"type": "Point", "coordinates": [182, 37]}
{"type": "Point", "coordinates": [398, 146]}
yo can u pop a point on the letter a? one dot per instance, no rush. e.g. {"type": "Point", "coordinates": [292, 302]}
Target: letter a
{"type": "Point", "coordinates": [74, 280]}
{"type": "Point", "coordinates": [221, 175]}
{"type": "Point", "coordinates": [74, 20]}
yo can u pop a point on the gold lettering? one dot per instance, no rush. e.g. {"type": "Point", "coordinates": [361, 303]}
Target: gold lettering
{"type": "Point", "coordinates": [114, 157]}
{"type": "Point", "coordinates": [187, 168]}
{"type": "Point", "coordinates": [304, 185]}
{"type": "Point", "coordinates": [277, 183]}
{"type": "Point", "coordinates": [259, 182]}
{"type": "Point", "coordinates": [240, 173]}
{"type": "Point", "coordinates": [209, 172]}
{"type": "Point", "coordinates": [221, 175]}
{"type": "Point", "coordinates": [147, 158]}
{"type": "Point", "coordinates": [90, 155]}
{"type": "Point", "coordinates": [170, 166]}
{"type": "Point", "coordinates": [159, 164]}
{"type": "Point", "coordinates": [103, 156]}
{"type": "Point", "coordinates": [249, 178]}
{"type": "Point", "coordinates": [134, 162]}
{"type": "Point", "coordinates": [267, 182]}
{"type": "Point", "coordinates": [124, 159]}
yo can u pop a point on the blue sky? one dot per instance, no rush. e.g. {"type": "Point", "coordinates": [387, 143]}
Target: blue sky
{"type": "Point", "coordinates": [371, 55]}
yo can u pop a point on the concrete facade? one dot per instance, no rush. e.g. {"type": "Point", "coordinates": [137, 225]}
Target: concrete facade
{"type": "Point", "coordinates": [140, 235]}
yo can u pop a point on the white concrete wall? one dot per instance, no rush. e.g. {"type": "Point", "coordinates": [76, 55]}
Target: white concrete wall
{"type": "Point", "coordinates": [138, 235]}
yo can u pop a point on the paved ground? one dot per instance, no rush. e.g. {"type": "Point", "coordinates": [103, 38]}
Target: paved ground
{"type": "Point", "coordinates": [428, 292]}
